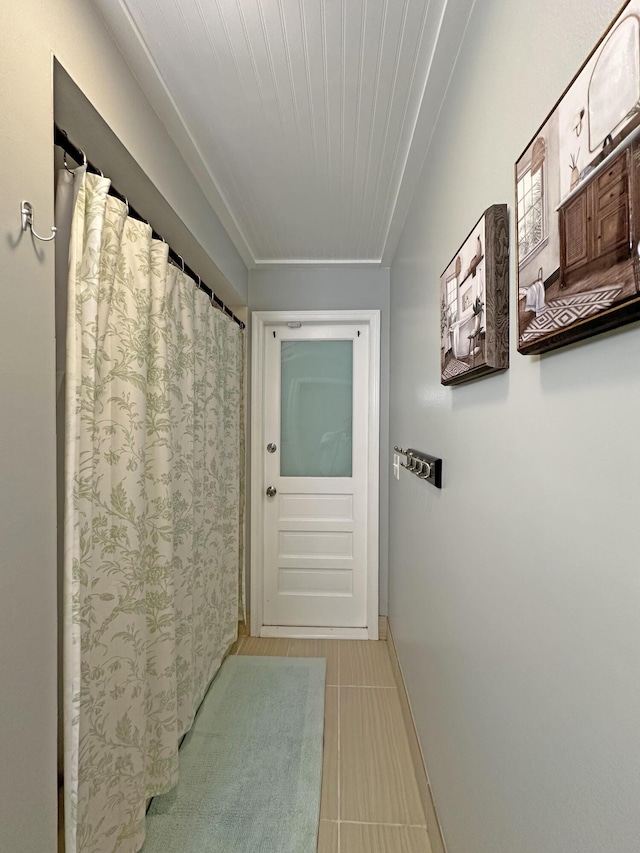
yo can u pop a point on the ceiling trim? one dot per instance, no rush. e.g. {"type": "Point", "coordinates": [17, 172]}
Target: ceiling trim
{"type": "Point", "coordinates": [262, 263]}
{"type": "Point", "coordinates": [135, 53]}
{"type": "Point", "coordinates": [449, 33]}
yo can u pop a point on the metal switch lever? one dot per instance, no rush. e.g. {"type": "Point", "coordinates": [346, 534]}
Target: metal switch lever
{"type": "Point", "coordinates": [271, 491]}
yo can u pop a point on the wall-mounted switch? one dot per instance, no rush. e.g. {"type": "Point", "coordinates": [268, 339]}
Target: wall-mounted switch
{"type": "Point", "coordinates": [396, 466]}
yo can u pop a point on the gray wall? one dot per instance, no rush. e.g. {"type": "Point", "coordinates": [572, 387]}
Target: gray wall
{"type": "Point", "coordinates": [33, 32]}
{"type": "Point", "coordinates": [514, 592]}
{"type": "Point", "coordinates": [335, 289]}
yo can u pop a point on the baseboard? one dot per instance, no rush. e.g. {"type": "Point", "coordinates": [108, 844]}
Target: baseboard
{"type": "Point", "coordinates": [244, 630]}
{"type": "Point", "coordinates": [426, 795]}
{"type": "Point", "coordinates": [313, 633]}
{"type": "Point", "coordinates": [383, 627]}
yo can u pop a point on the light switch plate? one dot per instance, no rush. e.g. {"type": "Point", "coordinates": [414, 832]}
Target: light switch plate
{"type": "Point", "coordinates": [396, 466]}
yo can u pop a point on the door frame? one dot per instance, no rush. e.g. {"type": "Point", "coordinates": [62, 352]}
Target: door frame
{"type": "Point", "coordinates": [259, 321]}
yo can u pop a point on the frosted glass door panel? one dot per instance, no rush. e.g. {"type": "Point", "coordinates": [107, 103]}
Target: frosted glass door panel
{"type": "Point", "coordinates": [316, 408]}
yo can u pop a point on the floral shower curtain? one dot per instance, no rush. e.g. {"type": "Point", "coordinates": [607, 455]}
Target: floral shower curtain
{"type": "Point", "coordinates": [153, 515]}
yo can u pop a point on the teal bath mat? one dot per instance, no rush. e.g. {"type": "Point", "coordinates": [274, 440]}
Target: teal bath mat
{"type": "Point", "coordinates": [251, 767]}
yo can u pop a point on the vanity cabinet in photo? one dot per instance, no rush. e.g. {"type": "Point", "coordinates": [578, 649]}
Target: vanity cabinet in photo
{"type": "Point", "coordinates": [595, 225]}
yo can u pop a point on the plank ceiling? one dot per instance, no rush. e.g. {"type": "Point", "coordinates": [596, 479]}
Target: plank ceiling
{"type": "Point", "coordinates": [306, 121]}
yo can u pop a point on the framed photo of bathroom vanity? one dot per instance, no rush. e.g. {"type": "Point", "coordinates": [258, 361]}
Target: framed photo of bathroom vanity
{"type": "Point", "coordinates": [577, 214]}
{"type": "Point", "coordinates": [474, 302]}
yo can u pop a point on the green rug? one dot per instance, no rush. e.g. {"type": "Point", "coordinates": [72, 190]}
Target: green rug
{"type": "Point", "coordinates": [251, 767]}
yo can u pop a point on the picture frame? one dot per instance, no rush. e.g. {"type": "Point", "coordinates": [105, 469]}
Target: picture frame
{"type": "Point", "coordinates": [577, 212]}
{"type": "Point", "coordinates": [474, 302]}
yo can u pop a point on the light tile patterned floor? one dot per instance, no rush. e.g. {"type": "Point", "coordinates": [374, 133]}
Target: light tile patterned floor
{"type": "Point", "coordinates": [370, 800]}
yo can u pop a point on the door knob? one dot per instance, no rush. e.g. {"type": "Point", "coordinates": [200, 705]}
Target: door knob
{"type": "Point", "coordinates": [271, 491]}
{"type": "Point", "coordinates": [271, 447]}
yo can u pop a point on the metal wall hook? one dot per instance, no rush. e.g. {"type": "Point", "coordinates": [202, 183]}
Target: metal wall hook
{"type": "Point", "coordinates": [26, 218]}
{"type": "Point", "coordinates": [425, 471]}
{"type": "Point", "coordinates": [423, 465]}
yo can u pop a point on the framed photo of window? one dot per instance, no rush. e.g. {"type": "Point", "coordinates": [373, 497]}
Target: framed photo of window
{"type": "Point", "coordinates": [577, 212]}
{"type": "Point", "coordinates": [474, 302]}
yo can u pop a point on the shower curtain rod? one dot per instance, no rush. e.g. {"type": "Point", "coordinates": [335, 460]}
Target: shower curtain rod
{"type": "Point", "coordinates": [62, 141]}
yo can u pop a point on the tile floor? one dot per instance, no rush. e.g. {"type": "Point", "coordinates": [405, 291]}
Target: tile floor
{"type": "Point", "coordinates": [370, 800]}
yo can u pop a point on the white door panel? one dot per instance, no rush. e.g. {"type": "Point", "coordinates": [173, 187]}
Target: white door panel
{"type": "Point", "coordinates": [322, 582]}
{"type": "Point", "coordinates": [300, 544]}
{"type": "Point", "coordinates": [314, 527]}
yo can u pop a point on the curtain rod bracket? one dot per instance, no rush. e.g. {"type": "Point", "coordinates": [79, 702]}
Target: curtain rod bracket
{"type": "Point", "coordinates": [26, 217]}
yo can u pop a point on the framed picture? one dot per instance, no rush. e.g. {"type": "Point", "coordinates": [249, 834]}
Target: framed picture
{"type": "Point", "coordinates": [474, 302]}
{"type": "Point", "coordinates": [578, 201]}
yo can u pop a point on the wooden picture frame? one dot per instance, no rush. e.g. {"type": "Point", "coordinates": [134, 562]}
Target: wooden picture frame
{"type": "Point", "coordinates": [474, 302]}
{"type": "Point", "coordinates": [577, 213]}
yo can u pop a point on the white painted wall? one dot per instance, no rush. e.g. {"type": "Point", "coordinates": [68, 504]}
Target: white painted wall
{"type": "Point", "coordinates": [334, 289]}
{"type": "Point", "coordinates": [514, 593]}
{"type": "Point", "coordinates": [33, 31]}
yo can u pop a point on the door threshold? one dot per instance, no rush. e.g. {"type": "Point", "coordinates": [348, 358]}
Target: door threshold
{"type": "Point", "coordinates": [302, 633]}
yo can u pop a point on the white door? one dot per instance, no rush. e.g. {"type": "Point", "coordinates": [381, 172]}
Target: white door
{"type": "Point", "coordinates": [315, 476]}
